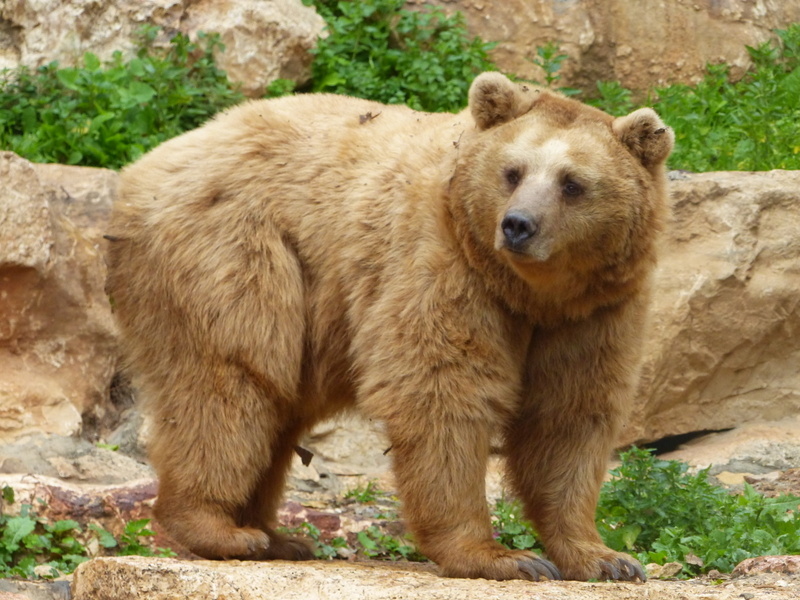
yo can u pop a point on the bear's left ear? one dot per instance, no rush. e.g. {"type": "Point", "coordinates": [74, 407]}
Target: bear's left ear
{"type": "Point", "coordinates": [646, 136]}
{"type": "Point", "coordinates": [495, 99]}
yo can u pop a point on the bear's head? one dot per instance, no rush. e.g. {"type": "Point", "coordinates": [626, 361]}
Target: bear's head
{"type": "Point", "coordinates": [563, 193]}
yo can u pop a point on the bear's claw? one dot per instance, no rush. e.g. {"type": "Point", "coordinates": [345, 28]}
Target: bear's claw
{"type": "Point", "coordinates": [539, 568]}
{"type": "Point", "coordinates": [623, 570]}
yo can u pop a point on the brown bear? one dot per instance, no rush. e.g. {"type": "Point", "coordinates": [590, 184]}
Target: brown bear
{"type": "Point", "coordinates": [457, 276]}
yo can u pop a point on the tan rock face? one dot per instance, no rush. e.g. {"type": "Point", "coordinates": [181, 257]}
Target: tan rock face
{"type": "Point", "coordinates": [724, 347]}
{"type": "Point", "coordinates": [638, 43]}
{"type": "Point", "coordinates": [57, 337]}
{"type": "Point", "coordinates": [265, 39]}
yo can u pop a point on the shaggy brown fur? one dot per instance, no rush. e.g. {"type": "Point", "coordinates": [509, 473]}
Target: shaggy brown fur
{"type": "Point", "coordinates": [455, 276]}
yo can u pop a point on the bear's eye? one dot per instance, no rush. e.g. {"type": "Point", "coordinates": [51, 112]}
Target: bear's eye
{"type": "Point", "coordinates": [572, 189]}
{"type": "Point", "coordinates": [513, 176]}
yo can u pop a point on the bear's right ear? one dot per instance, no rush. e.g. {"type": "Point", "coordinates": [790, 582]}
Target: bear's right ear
{"type": "Point", "coordinates": [495, 99]}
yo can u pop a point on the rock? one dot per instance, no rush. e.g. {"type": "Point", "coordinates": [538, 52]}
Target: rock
{"type": "Point", "coordinates": [57, 337]}
{"type": "Point", "coordinates": [725, 334]}
{"type": "Point", "coordinates": [13, 589]}
{"type": "Point", "coordinates": [665, 571]}
{"type": "Point", "coordinates": [640, 44]}
{"type": "Point", "coordinates": [347, 452]}
{"type": "Point", "coordinates": [126, 578]}
{"type": "Point", "coordinates": [263, 41]}
{"type": "Point", "coordinates": [753, 448]}
{"type": "Point", "coordinates": [768, 564]}
{"type": "Point", "coordinates": [83, 195]}
{"type": "Point", "coordinates": [69, 459]}
{"type": "Point", "coordinates": [266, 39]}
{"type": "Point", "coordinates": [109, 506]}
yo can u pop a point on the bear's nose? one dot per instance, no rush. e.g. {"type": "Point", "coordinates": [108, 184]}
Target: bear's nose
{"type": "Point", "coordinates": [518, 228]}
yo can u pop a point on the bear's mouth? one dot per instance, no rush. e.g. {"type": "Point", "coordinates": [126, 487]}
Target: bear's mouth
{"type": "Point", "coordinates": [535, 251]}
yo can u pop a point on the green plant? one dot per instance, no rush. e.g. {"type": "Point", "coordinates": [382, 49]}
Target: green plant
{"type": "Point", "coordinates": [31, 546]}
{"type": "Point", "coordinates": [614, 99]}
{"type": "Point", "coordinates": [377, 50]}
{"type": "Point", "coordinates": [511, 528]}
{"type": "Point", "coordinates": [377, 544]}
{"type": "Point", "coordinates": [364, 494]}
{"type": "Point", "coordinates": [659, 511]}
{"type": "Point", "coordinates": [549, 58]}
{"type": "Point", "coordinates": [720, 124]}
{"type": "Point", "coordinates": [108, 114]}
{"type": "Point", "coordinates": [131, 540]}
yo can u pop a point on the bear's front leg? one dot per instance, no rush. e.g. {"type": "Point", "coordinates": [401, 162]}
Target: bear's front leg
{"type": "Point", "coordinates": [440, 467]}
{"type": "Point", "coordinates": [581, 377]}
{"type": "Point", "coordinates": [557, 472]}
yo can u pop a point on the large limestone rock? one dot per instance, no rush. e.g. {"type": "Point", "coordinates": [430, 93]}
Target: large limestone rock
{"type": "Point", "coordinates": [638, 43]}
{"type": "Point", "coordinates": [131, 578]}
{"type": "Point", "coordinates": [724, 346]}
{"type": "Point", "coordinates": [57, 337]}
{"type": "Point", "coordinates": [265, 39]}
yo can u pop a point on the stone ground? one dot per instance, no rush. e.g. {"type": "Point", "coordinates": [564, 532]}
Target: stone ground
{"type": "Point", "coordinates": [79, 480]}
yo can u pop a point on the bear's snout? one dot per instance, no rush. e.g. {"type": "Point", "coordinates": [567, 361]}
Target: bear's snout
{"type": "Point", "coordinates": [518, 229]}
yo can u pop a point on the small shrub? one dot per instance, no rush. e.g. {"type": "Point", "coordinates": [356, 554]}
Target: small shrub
{"type": "Point", "coordinates": [109, 114]}
{"type": "Point", "coordinates": [377, 50]}
{"type": "Point", "coordinates": [748, 125]}
{"type": "Point", "coordinates": [659, 512]}
{"type": "Point", "coordinates": [512, 529]}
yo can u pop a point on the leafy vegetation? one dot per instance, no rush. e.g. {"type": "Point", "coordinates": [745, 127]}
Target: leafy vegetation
{"type": "Point", "coordinates": [750, 124]}
{"type": "Point", "coordinates": [512, 529]}
{"type": "Point", "coordinates": [375, 49]}
{"type": "Point", "coordinates": [107, 115]}
{"type": "Point", "coordinates": [364, 494]}
{"type": "Point", "coordinates": [379, 545]}
{"type": "Point", "coordinates": [31, 546]}
{"type": "Point", "coordinates": [659, 512]}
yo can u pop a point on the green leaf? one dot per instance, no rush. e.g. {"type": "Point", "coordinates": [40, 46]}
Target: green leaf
{"type": "Point", "coordinates": [66, 525]}
{"type": "Point", "coordinates": [140, 92]}
{"type": "Point", "coordinates": [104, 537]}
{"type": "Point", "coordinates": [16, 528]}
{"type": "Point", "coordinates": [69, 78]}
{"type": "Point", "coordinates": [91, 62]}
{"type": "Point", "coordinates": [367, 542]}
{"type": "Point", "coordinates": [524, 541]}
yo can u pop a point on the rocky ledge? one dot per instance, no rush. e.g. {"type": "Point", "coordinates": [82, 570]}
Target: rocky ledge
{"type": "Point", "coordinates": [132, 578]}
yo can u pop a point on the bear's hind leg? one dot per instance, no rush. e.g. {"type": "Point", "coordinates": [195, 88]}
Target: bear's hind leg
{"type": "Point", "coordinates": [262, 509]}
{"type": "Point", "coordinates": [214, 435]}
